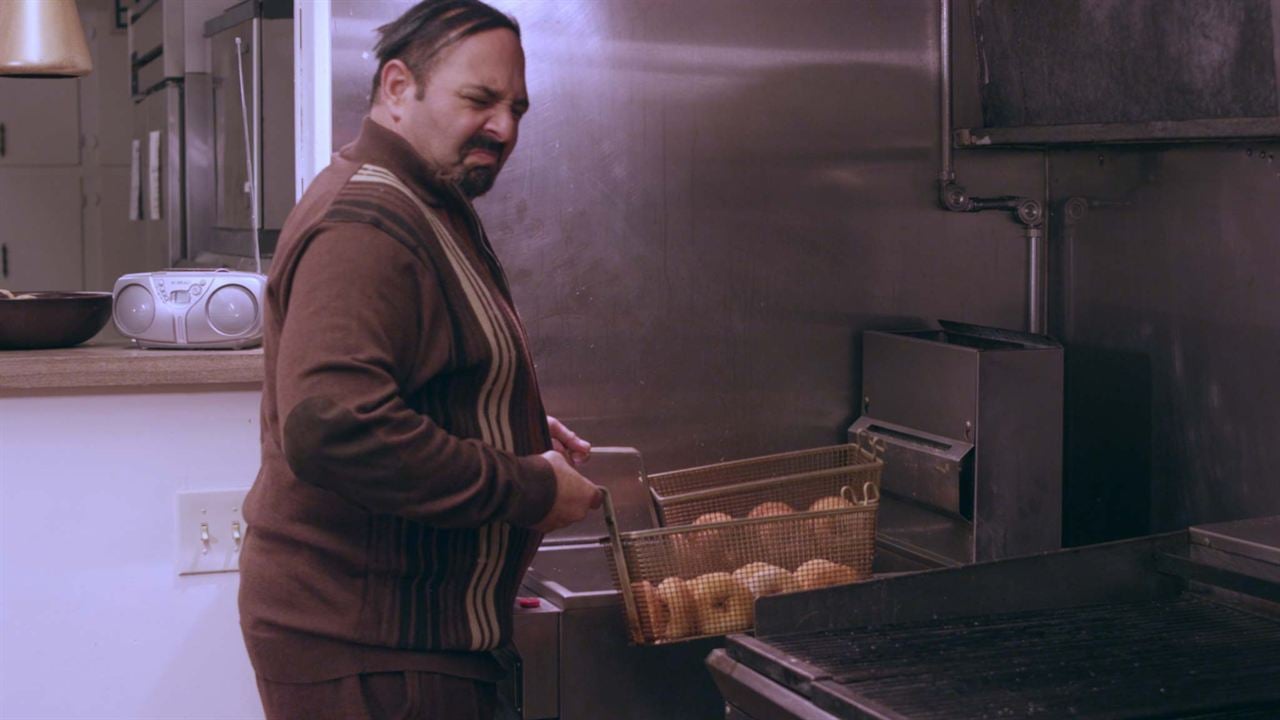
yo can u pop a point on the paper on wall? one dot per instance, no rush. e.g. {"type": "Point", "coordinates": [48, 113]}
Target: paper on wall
{"type": "Point", "coordinates": [153, 190]}
{"type": "Point", "coordinates": [135, 182]}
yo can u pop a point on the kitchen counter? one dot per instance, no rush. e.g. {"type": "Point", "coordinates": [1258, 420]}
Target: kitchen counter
{"type": "Point", "coordinates": [97, 444]}
{"type": "Point", "coordinates": [111, 362]}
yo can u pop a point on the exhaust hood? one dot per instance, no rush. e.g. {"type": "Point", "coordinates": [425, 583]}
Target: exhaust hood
{"type": "Point", "coordinates": [1103, 71]}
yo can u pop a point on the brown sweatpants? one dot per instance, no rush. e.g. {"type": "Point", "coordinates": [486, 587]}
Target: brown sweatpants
{"type": "Point", "coordinates": [380, 696]}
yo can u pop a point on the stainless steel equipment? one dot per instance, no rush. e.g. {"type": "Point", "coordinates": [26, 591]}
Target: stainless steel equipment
{"type": "Point", "coordinates": [717, 253]}
{"type": "Point", "coordinates": [258, 36]}
{"type": "Point", "coordinates": [572, 659]}
{"type": "Point", "coordinates": [1180, 625]}
{"type": "Point", "coordinates": [972, 422]}
{"type": "Point", "coordinates": [171, 177]}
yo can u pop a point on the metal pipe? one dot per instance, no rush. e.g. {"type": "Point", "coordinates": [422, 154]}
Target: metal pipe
{"type": "Point", "coordinates": [953, 196]}
{"type": "Point", "coordinates": [1004, 202]}
{"type": "Point", "coordinates": [1045, 299]}
{"type": "Point", "coordinates": [947, 174]}
{"type": "Point", "coordinates": [250, 154]}
{"type": "Point", "coordinates": [1035, 253]}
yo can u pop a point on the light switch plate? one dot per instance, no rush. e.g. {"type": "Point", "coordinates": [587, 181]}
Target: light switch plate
{"type": "Point", "coordinates": [208, 524]}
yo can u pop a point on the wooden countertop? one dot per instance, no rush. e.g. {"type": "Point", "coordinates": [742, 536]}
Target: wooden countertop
{"type": "Point", "coordinates": [110, 362]}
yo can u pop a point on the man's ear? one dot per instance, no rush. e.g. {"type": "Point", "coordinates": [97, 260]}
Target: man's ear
{"type": "Point", "coordinates": [396, 86]}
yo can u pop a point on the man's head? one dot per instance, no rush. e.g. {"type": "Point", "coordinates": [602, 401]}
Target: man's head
{"type": "Point", "coordinates": [450, 81]}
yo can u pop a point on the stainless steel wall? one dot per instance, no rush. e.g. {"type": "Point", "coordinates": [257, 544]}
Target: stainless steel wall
{"type": "Point", "coordinates": [712, 199]}
{"type": "Point", "coordinates": [1165, 294]}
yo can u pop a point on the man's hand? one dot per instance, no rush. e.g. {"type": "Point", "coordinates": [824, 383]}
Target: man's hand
{"type": "Point", "coordinates": [567, 443]}
{"type": "Point", "coordinates": [575, 495]}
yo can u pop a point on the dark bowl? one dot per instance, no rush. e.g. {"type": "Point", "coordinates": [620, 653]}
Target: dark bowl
{"type": "Point", "coordinates": [52, 319]}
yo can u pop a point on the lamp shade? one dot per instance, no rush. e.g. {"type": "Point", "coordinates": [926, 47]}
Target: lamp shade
{"type": "Point", "coordinates": [42, 38]}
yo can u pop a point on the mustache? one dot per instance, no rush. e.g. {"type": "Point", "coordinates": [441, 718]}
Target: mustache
{"type": "Point", "coordinates": [483, 142]}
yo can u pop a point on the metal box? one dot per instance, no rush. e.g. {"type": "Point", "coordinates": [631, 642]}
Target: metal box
{"type": "Point", "coordinates": [972, 421]}
{"type": "Point", "coordinates": [597, 672]}
{"type": "Point", "coordinates": [157, 45]}
{"type": "Point", "coordinates": [264, 57]}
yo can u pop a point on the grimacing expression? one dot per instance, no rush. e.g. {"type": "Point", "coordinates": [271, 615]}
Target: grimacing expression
{"type": "Point", "coordinates": [464, 118]}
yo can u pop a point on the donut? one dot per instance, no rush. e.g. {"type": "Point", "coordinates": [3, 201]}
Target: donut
{"type": "Point", "coordinates": [764, 579]}
{"type": "Point", "coordinates": [682, 613]}
{"type": "Point", "coordinates": [743, 573]}
{"type": "Point", "coordinates": [773, 536]}
{"type": "Point", "coordinates": [830, 526]}
{"type": "Point", "coordinates": [703, 549]}
{"type": "Point", "coordinates": [714, 517]}
{"type": "Point", "coordinates": [831, 502]}
{"type": "Point", "coordinates": [822, 573]}
{"type": "Point", "coordinates": [767, 509]}
{"type": "Point", "coordinates": [653, 614]}
{"type": "Point", "coordinates": [724, 605]}
{"type": "Point", "coordinates": [666, 612]}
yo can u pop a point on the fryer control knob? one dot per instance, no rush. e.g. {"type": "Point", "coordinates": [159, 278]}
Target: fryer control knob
{"type": "Point", "coordinates": [529, 602]}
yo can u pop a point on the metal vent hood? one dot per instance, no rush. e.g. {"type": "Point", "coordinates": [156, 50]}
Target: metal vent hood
{"type": "Point", "coordinates": [1103, 71]}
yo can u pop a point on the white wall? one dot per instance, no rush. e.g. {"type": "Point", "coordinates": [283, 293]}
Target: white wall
{"type": "Point", "coordinates": [94, 620]}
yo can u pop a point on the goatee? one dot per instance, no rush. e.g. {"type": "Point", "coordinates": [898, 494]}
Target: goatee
{"type": "Point", "coordinates": [477, 181]}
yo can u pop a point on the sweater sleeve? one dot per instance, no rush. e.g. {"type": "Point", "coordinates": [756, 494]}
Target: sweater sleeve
{"type": "Point", "coordinates": [360, 312]}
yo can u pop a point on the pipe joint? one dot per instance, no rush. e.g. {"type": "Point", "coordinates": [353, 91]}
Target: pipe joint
{"type": "Point", "coordinates": [954, 198]}
{"type": "Point", "coordinates": [1030, 213]}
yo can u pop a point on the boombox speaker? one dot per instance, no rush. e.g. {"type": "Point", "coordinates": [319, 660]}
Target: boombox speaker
{"type": "Point", "coordinates": [190, 308]}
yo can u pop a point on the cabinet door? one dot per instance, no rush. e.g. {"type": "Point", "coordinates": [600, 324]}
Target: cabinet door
{"type": "Point", "coordinates": [40, 239]}
{"type": "Point", "coordinates": [39, 122]}
{"type": "Point", "coordinates": [121, 246]}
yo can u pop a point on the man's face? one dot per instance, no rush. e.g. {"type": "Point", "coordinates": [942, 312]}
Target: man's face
{"type": "Point", "coordinates": [466, 123]}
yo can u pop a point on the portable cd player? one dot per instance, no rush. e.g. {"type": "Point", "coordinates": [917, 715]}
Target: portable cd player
{"type": "Point", "coordinates": [193, 308]}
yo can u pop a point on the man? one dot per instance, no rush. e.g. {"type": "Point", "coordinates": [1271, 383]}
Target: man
{"type": "Point", "coordinates": [408, 467]}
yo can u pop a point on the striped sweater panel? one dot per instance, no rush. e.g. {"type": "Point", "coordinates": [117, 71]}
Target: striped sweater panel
{"type": "Point", "coordinates": [451, 588]}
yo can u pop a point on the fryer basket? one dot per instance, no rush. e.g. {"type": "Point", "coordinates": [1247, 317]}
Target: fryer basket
{"type": "Point", "coordinates": [700, 575]}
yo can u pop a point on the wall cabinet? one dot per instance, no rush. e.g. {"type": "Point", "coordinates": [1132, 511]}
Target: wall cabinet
{"type": "Point", "coordinates": [41, 241]}
{"type": "Point", "coordinates": [40, 238]}
{"type": "Point", "coordinates": [39, 122]}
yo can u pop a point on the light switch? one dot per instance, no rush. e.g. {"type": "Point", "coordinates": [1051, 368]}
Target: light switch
{"type": "Point", "coordinates": [210, 531]}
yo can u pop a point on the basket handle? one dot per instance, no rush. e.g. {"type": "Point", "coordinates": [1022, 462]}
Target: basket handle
{"type": "Point", "coordinates": [868, 490]}
{"type": "Point", "coordinates": [873, 446]}
{"type": "Point", "coordinates": [620, 563]}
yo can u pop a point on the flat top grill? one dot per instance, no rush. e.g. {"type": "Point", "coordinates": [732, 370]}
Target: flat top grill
{"type": "Point", "coordinates": [1177, 625]}
{"type": "Point", "coordinates": [1182, 657]}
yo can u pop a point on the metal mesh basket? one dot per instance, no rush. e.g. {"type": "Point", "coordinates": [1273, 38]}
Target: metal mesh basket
{"type": "Point", "coordinates": [739, 488]}
{"type": "Point", "coordinates": [684, 582]}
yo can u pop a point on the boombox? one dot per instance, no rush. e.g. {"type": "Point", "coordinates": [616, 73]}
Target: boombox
{"type": "Point", "coordinates": [190, 308]}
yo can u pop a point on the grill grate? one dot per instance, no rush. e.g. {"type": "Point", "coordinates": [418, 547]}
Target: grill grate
{"type": "Point", "coordinates": [1186, 657]}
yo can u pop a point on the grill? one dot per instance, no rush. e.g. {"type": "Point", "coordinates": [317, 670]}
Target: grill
{"type": "Point", "coordinates": [1094, 662]}
{"type": "Point", "coordinates": [1178, 626]}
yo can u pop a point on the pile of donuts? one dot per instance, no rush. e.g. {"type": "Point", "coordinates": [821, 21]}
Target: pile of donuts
{"type": "Point", "coordinates": [774, 508]}
{"type": "Point", "coordinates": [774, 542]}
{"type": "Point", "coordinates": [721, 602]}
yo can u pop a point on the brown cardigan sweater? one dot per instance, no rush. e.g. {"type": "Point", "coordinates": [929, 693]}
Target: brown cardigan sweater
{"type": "Point", "coordinates": [401, 426]}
